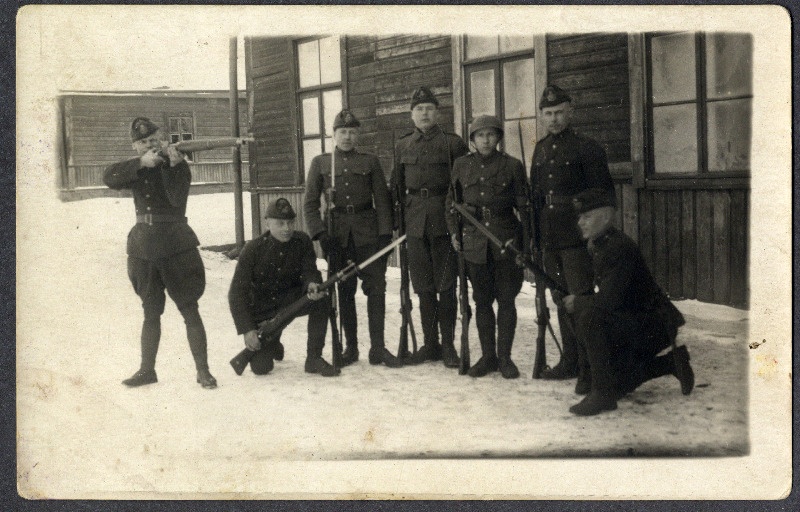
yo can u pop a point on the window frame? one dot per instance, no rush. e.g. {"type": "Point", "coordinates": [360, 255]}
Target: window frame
{"type": "Point", "coordinates": [701, 102]}
{"type": "Point", "coordinates": [318, 91]}
{"type": "Point", "coordinates": [182, 115]}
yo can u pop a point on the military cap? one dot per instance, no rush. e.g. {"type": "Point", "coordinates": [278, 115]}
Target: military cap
{"type": "Point", "coordinates": [485, 122]}
{"type": "Point", "coordinates": [593, 198]}
{"type": "Point", "coordinates": [346, 119]}
{"type": "Point", "coordinates": [142, 127]}
{"type": "Point", "coordinates": [280, 209]}
{"type": "Point", "coordinates": [423, 95]}
{"type": "Point", "coordinates": [553, 95]}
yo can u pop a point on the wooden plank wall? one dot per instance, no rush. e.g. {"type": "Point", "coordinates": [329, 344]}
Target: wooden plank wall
{"type": "Point", "coordinates": [593, 69]}
{"type": "Point", "coordinates": [695, 243]}
{"type": "Point", "coordinates": [383, 72]}
{"type": "Point", "coordinates": [273, 158]}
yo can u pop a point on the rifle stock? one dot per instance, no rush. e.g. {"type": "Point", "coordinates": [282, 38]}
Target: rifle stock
{"type": "Point", "coordinates": [190, 146]}
{"type": "Point", "coordinates": [285, 316]}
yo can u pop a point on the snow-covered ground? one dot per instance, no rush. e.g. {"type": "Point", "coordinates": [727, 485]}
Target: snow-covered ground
{"type": "Point", "coordinates": [82, 433]}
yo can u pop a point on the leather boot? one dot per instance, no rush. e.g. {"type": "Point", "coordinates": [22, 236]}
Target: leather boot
{"type": "Point", "coordinates": [595, 402]}
{"type": "Point", "coordinates": [683, 370]}
{"type": "Point", "coordinates": [141, 378]}
{"type": "Point", "coordinates": [320, 366]}
{"type": "Point", "coordinates": [567, 367]}
{"type": "Point", "coordinates": [205, 379]}
{"type": "Point", "coordinates": [485, 322]}
{"type": "Point", "coordinates": [506, 325]}
{"type": "Point", "coordinates": [447, 325]}
{"type": "Point", "coordinates": [350, 355]}
{"type": "Point", "coordinates": [430, 350]}
{"type": "Point", "coordinates": [376, 314]}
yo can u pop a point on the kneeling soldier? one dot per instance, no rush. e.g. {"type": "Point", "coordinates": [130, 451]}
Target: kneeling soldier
{"type": "Point", "coordinates": [273, 271]}
{"type": "Point", "coordinates": [362, 225]}
{"type": "Point", "coordinates": [493, 185]}
{"type": "Point", "coordinates": [628, 321]}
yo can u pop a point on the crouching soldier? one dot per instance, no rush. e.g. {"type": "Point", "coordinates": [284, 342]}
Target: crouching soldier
{"type": "Point", "coordinates": [627, 321]}
{"type": "Point", "coordinates": [273, 271]}
{"type": "Point", "coordinates": [493, 185]}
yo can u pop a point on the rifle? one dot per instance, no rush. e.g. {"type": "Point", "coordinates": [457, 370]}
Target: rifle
{"type": "Point", "coordinates": [407, 323]}
{"type": "Point", "coordinates": [463, 291]}
{"type": "Point", "coordinates": [285, 316]}
{"type": "Point", "coordinates": [190, 146]}
{"type": "Point", "coordinates": [333, 261]}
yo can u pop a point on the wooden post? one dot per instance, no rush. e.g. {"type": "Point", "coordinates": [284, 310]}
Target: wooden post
{"type": "Point", "coordinates": [237, 154]}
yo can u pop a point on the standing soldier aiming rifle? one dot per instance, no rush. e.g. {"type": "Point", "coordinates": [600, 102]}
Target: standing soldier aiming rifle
{"type": "Point", "coordinates": [564, 164]}
{"type": "Point", "coordinates": [493, 187]}
{"type": "Point", "coordinates": [423, 162]}
{"type": "Point", "coordinates": [274, 270]}
{"type": "Point", "coordinates": [361, 218]}
{"type": "Point", "coordinates": [162, 248]}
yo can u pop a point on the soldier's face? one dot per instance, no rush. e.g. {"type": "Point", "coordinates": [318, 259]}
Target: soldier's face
{"type": "Point", "coordinates": [594, 222]}
{"type": "Point", "coordinates": [281, 229]}
{"type": "Point", "coordinates": [425, 116]}
{"type": "Point", "coordinates": [486, 140]}
{"type": "Point", "coordinates": [154, 141]}
{"type": "Point", "coordinates": [557, 118]}
{"type": "Point", "coordinates": [346, 138]}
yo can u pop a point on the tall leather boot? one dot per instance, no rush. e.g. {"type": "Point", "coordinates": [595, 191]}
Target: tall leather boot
{"type": "Point", "coordinates": [151, 334]}
{"type": "Point", "coordinates": [376, 314]}
{"type": "Point", "coordinates": [603, 395]}
{"type": "Point", "coordinates": [447, 325]}
{"type": "Point", "coordinates": [347, 313]}
{"type": "Point", "coordinates": [506, 325]}
{"type": "Point", "coordinates": [567, 367]}
{"type": "Point", "coordinates": [430, 350]}
{"type": "Point", "coordinates": [485, 322]}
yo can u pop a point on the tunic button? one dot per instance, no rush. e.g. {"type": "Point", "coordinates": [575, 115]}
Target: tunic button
{"type": "Point", "coordinates": [551, 206]}
{"type": "Point", "coordinates": [346, 183]}
{"type": "Point", "coordinates": [481, 194]}
{"type": "Point", "coordinates": [549, 175]}
{"type": "Point", "coordinates": [148, 208]}
{"type": "Point", "coordinates": [551, 192]}
{"type": "Point", "coordinates": [345, 170]}
{"type": "Point", "coordinates": [348, 197]}
{"type": "Point", "coordinates": [487, 224]}
{"type": "Point", "coordinates": [147, 195]}
{"type": "Point", "coordinates": [483, 179]}
{"type": "Point", "coordinates": [146, 181]}
{"type": "Point", "coordinates": [483, 166]}
{"type": "Point", "coordinates": [552, 161]}
{"type": "Point", "coordinates": [554, 146]}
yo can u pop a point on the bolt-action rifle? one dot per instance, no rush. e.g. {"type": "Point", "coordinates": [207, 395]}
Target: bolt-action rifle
{"type": "Point", "coordinates": [333, 266]}
{"type": "Point", "coordinates": [542, 281]}
{"type": "Point", "coordinates": [406, 322]}
{"type": "Point", "coordinates": [463, 290]}
{"type": "Point", "coordinates": [276, 324]}
{"type": "Point", "coordinates": [190, 146]}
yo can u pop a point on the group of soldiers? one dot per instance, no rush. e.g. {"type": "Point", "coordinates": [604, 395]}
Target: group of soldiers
{"type": "Point", "coordinates": [614, 319]}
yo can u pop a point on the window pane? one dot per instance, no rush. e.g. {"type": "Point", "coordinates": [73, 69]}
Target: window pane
{"type": "Point", "coordinates": [174, 137]}
{"type": "Point", "coordinates": [519, 94]}
{"type": "Point", "coordinates": [675, 138]}
{"type": "Point", "coordinates": [481, 46]}
{"type": "Point", "coordinates": [673, 68]}
{"type": "Point", "coordinates": [310, 116]}
{"type": "Point", "coordinates": [729, 65]}
{"type": "Point", "coordinates": [311, 148]}
{"type": "Point", "coordinates": [186, 136]}
{"type": "Point", "coordinates": [186, 124]}
{"type": "Point", "coordinates": [482, 92]}
{"type": "Point", "coordinates": [331, 106]}
{"type": "Point", "coordinates": [729, 135]}
{"type": "Point", "coordinates": [515, 43]}
{"type": "Point", "coordinates": [308, 63]}
{"type": "Point", "coordinates": [330, 60]}
{"type": "Point", "coordinates": [511, 139]}
{"type": "Point", "coordinates": [174, 124]}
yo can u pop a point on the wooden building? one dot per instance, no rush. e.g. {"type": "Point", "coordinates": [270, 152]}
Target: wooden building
{"type": "Point", "coordinates": [95, 132]}
{"type": "Point", "coordinates": [673, 112]}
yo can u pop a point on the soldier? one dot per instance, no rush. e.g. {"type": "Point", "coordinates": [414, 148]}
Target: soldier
{"type": "Point", "coordinates": [564, 164]}
{"type": "Point", "coordinates": [628, 321]}
{"type": "Point", "coordinates": [362, 224]}
{"type": "Point", "coordinates": [493, 185]}
{"type": "Point", "coordinates": [273, 271]}
{"type": "Point", "coordinates": [162, 248]}
{"type": "Point", "coordinates": [423, 162]}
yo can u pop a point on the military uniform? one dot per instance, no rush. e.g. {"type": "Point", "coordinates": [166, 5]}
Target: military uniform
{"type": "Point", "coordinates": [362, 224]}
{"type": "Point", "coordinates": [423, 162]}
{"type": "Point", "coordinates": [627, 321]}
{"type": "Point", "coordinates": [270, 275]}
{"type": "Point", "coordinates": [492, 187]}
{"type": "Point", "coordinates": [563, 165]}
{"type": "Point", "coordinates": [162, 253]}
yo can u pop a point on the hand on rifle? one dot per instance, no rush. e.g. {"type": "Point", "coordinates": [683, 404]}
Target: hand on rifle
{"type": "Point", "coordinates": [522, 258]}
{"type": "Point", "coordinates": [175, 156]}
{"type": "Point", "coordinates": [569, 303]}
{"type": "Point", "coordinates": [252, 341]}
{"type": "Point", "coordinates": [454, 241]}
{"type": "Point", "coordinates": [314, 293]}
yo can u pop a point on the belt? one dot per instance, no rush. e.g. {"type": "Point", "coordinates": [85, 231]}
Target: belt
{"type": "Point", "coordinates": [350, 208]}
{"type": "Point", "coordinates": [427, 192]}
{"type": "Point", "coordinates": [152, 218]}
{"type": "Point", "coordinates": [487, 212]}
{"type": "Point", "coordinates": [550, 199]}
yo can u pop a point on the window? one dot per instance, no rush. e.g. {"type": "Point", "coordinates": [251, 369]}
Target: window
{"type": "Point", "coordinates": [700, 102]}
{"type": "Point", "coordinates": [319, 94]}
{"type": "Point", "coordinates": [500, 80]}
{"type": "Point", "coordinates": [181, 128]}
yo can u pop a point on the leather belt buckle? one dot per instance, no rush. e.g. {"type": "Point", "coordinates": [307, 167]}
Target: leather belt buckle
{"type": "Point", "coordinates": [148, 219]}
{"type": "Point", "coordinates": [486, 212]}
{"type": "Point", "coordinates": [548, 199]}
{"type": "Point", "coordinates": [350, 208]}
{"type": "Point", "coordinates": [424, 193]}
